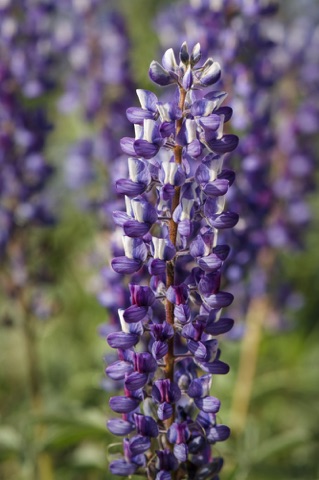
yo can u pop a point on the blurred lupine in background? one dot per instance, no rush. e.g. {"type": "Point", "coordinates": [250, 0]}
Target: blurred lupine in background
{"type": "Point", "coordinates": [174, 211]}
{"type": "Point", "coordinates": [27, 75]}
{"type": "Point", "coordinates": [98, 86]}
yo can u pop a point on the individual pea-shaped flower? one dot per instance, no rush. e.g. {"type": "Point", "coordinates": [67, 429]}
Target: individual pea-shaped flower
{"type": "Point", "coordinates": [138, 181]}
{"type": "Point", "coordinates": [161, 333]}
{"type": "Point", "coordinates": [135, 255]}
{"type": "Point", "coordinates": [178, 434]}
{"type": "Point", "coordinates": [162, 250]}
{"type": "Point", "coordinates": [165, 393]}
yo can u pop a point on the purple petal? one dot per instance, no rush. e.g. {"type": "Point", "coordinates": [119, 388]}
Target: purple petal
{"type": "Point", "coordinates": [159, 349]}
{"type": "Point", "coordinates": [135, 380]}
{"type": "Point", "coordinates": [200, 387]}
{"type": "Point", "coordinates": [226, 111]}
{"type": "Point", "coordinates": [177, 294]}
{"type": "Point", "coordinates": [141, 295]}
{"type": "Point", "coordinates": [208, 404]}
{"type": "Point", "coordinates": [217, 97]}
{"type": "Point", "coordinates": [165, 411]}
{"type": "Point", "coordinates": [181, 452]}
{"type": "Point", "coordinates": [144, 362]}
{"type": "Point", "coordinates": [178, 433]}
{"type": "Point", "coordinates": [211, 122]}
{"type": "Point", "coordinates": [210, 263]}
{"type": "Point", "coordinates": [216, 367]}
{"type": "Point", "coordinates": [120, 217]}
{"type": "Point", "coordinates": [167, 129]}
{"type": "Point", "coordinates": [135, 229]}
{"type": "Point", "coordinates": [122, 468]}
{"type": "Point", "coordinates": [139, 444]}
{"type": "Point", "coordinates": [194, 149]}
{"type": "Point", "coordinates": [122, 340]}
{"type": "Point", "coordinates": [145, 149]}
{"type": "Point", "coordinates": [163, 475]}
{"type": "Point", "coordinates": [117, 426]}
{"type": "Point", "coordinates": [197, 247]}
{"type": "Point", "coordinates": [159, 75]}
{"type": "Point", "coordinates": [211, 74]}
{"type": "Point", "coordinates": [137, 115]}
{"type": "Point", "coordinates": [217, 187]}
{"type": "Point", "coordinates": [119, 369]}
{"type": "Point", "coordinates": [147, 99]}
{"type": "Point", "coordinates": [125, 186]}
{"type": "Point", "coordinates": [219, 300]}
{"type": "Point", "coordinates": [123, 404]}
{"type": "Point", "coordinates": [126, 265]}
{"type": "Point", "coordinates": [198, 349]}
{"type": "Point", "coordinates": [202, 107]}
{"type": "Point", "coordinates": [188, 79]}
{"type": "Point", "coordinates": [157, 267]}
{"type": "Point", "coordinates": [219, 433]}
{"type": "Point", "coordinates": [145, 425]}
{"type": "Point", "coordinates": [168, 60]}
{"type": "Point", "coordinates": [166, 460]}
{"type": "Point", "coordinates": [182, 313]}
{"type": "Point", "coordinates": [135, 248]}
{"type": "Point", "coordinates": [127, 146]}
{"type": "Point", "coordinates": [222, 326]}
{"type": "Point", "coordinates": [222, 251]}
{"type": "Point", "coordinates": [227, 174]}
{"type": "Point", "coordinates": [224, 220]}
{"type": "Point", "coordinates": [162, 331]}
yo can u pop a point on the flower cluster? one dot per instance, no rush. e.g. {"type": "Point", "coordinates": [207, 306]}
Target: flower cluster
{"type": "Point", "coordinates": [174, 197]}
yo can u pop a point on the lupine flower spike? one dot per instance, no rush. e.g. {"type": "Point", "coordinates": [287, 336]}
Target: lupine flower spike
{"type": "Point", "coordinates": [167, 349]}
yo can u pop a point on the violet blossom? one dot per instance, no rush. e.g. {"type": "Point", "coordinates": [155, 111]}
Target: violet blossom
{"type": "Point", "coordinates": [174, 197]}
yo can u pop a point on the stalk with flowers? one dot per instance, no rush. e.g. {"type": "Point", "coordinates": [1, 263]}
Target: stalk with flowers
{"type": "Point", "coordinates": [167, 348]}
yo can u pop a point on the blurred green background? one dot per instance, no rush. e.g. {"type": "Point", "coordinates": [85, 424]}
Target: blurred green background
{"type": "Point", "coordinates": [67, 427]}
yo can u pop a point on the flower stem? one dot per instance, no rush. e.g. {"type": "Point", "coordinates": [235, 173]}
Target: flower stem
{"type": "Point", "coordinates": [170, 270]}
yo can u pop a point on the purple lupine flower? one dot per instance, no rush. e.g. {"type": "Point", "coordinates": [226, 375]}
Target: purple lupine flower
{"type": "Point", "coordinates": [174, 211]}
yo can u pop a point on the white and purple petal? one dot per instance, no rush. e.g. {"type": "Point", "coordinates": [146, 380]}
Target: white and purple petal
{"type": "Point", "coordinates": [218, 433]}
{"type": "Point", "coordinates": [127, 146]}
{"type": "Point", "coordinates": [208, 404]}
{"type": "Point", "coordinates": [159, 75]}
